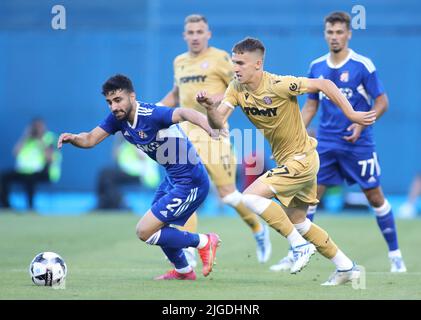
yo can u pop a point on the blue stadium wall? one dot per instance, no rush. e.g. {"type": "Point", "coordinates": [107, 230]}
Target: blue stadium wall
{"type": "Point", "coordinates": [57, 74]}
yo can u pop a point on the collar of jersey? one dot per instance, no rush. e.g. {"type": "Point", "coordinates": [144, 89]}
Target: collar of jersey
{"type": "Point", "coordinates": [340, 65]}
{"type": "Point", "coordinates": [201, 55]}
{"type": "Point", "coordinates": [135, 116]}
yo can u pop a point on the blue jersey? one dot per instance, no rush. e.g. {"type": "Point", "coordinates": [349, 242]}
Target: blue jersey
{"type": "Point", "coordinates": [357, 79]}
{"type": "Point", "coordinates": [155, 134]}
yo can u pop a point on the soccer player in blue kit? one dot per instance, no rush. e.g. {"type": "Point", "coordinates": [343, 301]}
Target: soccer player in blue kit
{"type": "Point", "coordinates": [154, 130]}
{"type": "Point", "coordinates": [347, 150]}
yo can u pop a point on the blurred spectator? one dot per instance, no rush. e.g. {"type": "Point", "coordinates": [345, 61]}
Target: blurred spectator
{"type": "Point", "coordinates": [37, 161]}
{"type": "Point", "coordinates": [132, 167]}
{"type": "Point", "coordinates": [409, 208]}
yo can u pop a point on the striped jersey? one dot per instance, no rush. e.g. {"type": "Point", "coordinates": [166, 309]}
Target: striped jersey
{"type": "Point", "coordinates": [155, 134]}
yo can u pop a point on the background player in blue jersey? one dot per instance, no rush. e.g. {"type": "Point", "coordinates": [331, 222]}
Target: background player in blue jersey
{"type": "Point", "coordinates": [153, 129]}
{"type": "Point", "coordinates": [347, 150]}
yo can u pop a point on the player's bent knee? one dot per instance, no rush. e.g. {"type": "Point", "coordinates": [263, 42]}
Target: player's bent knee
{"type": "Point", "coordinates": [142, 233]}
{"type": "Point", "coordinates": [256, 203]}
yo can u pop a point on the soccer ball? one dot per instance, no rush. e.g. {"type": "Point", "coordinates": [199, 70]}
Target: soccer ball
{"type": "Point", "coordinates": [48, 269]}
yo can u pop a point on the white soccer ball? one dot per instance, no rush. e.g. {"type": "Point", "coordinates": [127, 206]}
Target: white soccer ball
{"type": "Point", "coordinates": [48, 269]}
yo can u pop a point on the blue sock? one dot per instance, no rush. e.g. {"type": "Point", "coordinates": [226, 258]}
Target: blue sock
{"type": "Point", "coordinates": [311, 212]}
{"type": "Point", "coordinates": [176, 256]}
{"type": "Point", "coordinates": [173, 238]}
{"type": "Point", "coordinates": [386, 223]}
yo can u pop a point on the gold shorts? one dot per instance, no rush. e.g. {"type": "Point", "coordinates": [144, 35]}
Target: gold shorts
{"type": "Point", "coordinates": [216, 154]}
{"type": "Point", "coordinates": [295, 179]}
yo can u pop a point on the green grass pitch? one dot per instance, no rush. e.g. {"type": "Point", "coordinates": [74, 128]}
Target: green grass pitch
{"type": "Point", "coordinates": [106, 261]}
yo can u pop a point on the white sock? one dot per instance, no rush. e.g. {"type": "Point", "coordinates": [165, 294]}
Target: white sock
{"type": "Point", "coordinates": [395, 254]}
{"type": "Point", "coordinates": [184, 270]}
{"type": "Point", "coordinates": [383, 209]}
{"type": "Point", "coordinates": [341, 261]}
{"type": "Point", "coordinates": [295, 239]}
{"type": "Point", "coordinates": [191, 250]}
{"type": "Point", "coordinates": [303, 227]}
{"type": "Point", "coordinates": [203, 241]}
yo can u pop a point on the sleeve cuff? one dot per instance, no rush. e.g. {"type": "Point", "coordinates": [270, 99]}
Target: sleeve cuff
{"type": "Point", "coordinates": [228, 104]}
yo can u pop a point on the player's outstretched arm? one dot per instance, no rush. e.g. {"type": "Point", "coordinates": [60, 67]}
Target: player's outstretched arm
{"type": "Point", "coordinates": [193, 116]}
{"type": "Point", "coordinates": [83, 139]}
{"type": "Point", "coordinates": [218, 113]}
{"type": "Point", "coordinates": [333, 93]}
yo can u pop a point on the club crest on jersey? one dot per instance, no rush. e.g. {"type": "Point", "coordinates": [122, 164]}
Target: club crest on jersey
{"type": "Point", "coordinates": [344, 76]}
{"type": "Point", "coordinates": [267, 100]}
{"type": "Point", "coordinates": [293, 86]}
{"type": "Point", "coordinates": [142, 134]}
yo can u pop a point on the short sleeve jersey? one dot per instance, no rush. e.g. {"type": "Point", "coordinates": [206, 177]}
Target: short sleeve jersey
{"type": "Point", "coordinates": [155, 134]}
{"type": "Point", "coordinates": [210, 71]}
{"type": "Point", "coordinates": [357, 78]}
{"type": "Point", "coordinates": [273, 108]}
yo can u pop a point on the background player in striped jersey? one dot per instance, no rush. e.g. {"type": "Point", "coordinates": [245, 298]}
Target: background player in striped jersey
{"type": "Point", "coordinates": [208, 68]}
{"type": "Point", "coordinates": [347, 150]}
{"type": "Point", "coordinates": [153, 129]}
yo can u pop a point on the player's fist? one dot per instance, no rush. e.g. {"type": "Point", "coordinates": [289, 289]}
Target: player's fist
{"type": "Point", "coordinates": [204, 100]}
{"type": "Point", "coordinates": [65, 138]}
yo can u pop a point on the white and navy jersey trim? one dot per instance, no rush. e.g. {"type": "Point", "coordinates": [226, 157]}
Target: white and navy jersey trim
{"type": "Point", "coordinates": [361, 90]}
{"type": "Point", "coordinates": [191, 198]}
{"type": "Point", "coordinates": [320, 59]}
{"type": "Point", "coordinates": [352, 55]}
{"type": "Point", "coordinates": [143, 111]}
{"type": "Point", "coordinates": [369, 65]}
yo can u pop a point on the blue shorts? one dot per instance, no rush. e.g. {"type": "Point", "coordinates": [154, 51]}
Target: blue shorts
{"type": "Point", "coordinates": [359, 166]}
{"type": "Point", "coordinates": [174, 204]}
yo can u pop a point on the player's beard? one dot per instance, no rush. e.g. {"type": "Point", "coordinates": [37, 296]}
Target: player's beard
{"type": "Point", "coordinates": [123, 114]}
{"type": "Point", "coordinates": [120, 115]}
{"type": "Point", "coordinates": [336, 49]}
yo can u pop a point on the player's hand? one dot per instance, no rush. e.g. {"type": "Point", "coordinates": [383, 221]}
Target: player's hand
{"type": "Point", "coordinates": [356, 132]}
{"type": "Point", "coordinates": [65, 138]}
{"type": "Point", "coordinates": [364, 118]}
{"type": "Point", "coordinates": [204, 100]}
